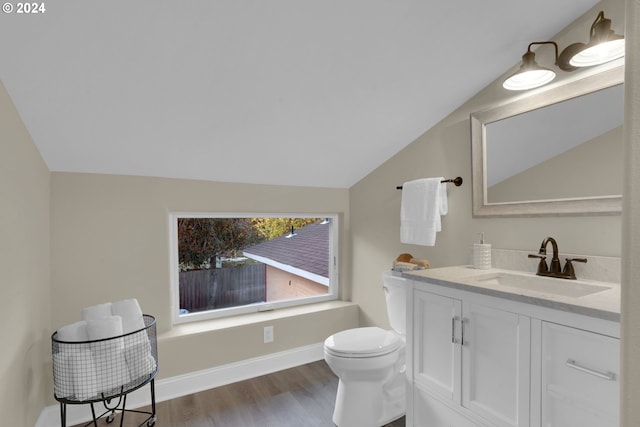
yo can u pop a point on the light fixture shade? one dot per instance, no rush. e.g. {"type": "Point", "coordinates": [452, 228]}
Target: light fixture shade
{"type": "Point", "coordinates": [598, 54]}
{"type": "Point", "coordinates": [530, 75]}
{"type": "Point", "coordinates": [604, 46]}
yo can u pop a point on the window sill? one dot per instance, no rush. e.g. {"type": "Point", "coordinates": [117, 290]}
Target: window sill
{"type": "Point", "coordinates": [204, 326]}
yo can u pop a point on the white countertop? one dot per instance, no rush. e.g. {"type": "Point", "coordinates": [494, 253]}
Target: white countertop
{"type": "Point", "coordinates": [604, 304]}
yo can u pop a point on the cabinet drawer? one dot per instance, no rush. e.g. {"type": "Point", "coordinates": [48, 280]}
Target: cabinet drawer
{"type": "Point", "coordinates": [580, 377]}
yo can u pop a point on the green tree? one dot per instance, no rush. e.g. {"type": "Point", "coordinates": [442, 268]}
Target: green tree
{"type": "Point", "coordinates": [201, 240]}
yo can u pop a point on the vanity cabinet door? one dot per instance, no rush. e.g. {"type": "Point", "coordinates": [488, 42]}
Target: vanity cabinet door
{"type": "Point", "coordinates": [580, 378]}
{"type": "Point", "coordinates": [473, 356]}
{"type": "Point", "coordinates": [436, 358]}
{"type": "Point", "coordinates": [496, 361]}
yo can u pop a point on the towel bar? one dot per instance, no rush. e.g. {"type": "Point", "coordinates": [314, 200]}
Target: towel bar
{"type": "Point", "coordinates": [456, 181]}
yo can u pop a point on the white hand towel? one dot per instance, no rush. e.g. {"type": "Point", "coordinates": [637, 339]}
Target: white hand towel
{"type": "Point", "coordinates": [423, 202]}
{"type": "Point", "coordinates": [131, 314]}
{"type": "Point", "coordinates": [96, 311]}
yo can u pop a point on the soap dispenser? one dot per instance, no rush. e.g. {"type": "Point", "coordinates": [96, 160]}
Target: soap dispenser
{"type": "Point", "coordinates": [481, 254]}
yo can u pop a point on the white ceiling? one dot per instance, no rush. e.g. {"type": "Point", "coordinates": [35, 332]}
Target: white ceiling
{"type": "Point", "coordinates": [293, 92]}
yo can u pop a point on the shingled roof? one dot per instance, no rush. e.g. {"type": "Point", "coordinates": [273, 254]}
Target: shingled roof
{"type": "Point", "coordinates": [308, 251]}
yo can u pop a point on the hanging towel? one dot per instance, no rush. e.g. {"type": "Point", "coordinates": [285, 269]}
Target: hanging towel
{"type": "Point", "coordinates": [423, 202]}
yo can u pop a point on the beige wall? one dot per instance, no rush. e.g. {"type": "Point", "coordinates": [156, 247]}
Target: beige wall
{"type": "Point", "coordinates": [110, 241]}
{"type": "Point", "coordinates": [24, 263]}
{"type": "Point", "coordinates": [445, 150]}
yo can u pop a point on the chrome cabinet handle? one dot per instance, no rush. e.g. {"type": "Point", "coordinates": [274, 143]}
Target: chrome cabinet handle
{"type": "Point", "coordinates": [462, 331]}
{"type": "Point", "coordinates": [453, 330]}
{"type": "Point", "coordinates": [610, 376]}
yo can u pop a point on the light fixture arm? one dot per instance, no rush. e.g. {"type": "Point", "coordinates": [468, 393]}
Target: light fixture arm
{"type": "Point", "coordinates": [599, 19]}
{"type": "Point", "coordinates": [555, 47]}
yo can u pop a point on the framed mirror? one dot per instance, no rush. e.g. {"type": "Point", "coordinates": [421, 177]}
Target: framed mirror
{"type": "Point", "coordinates": [555, 152]}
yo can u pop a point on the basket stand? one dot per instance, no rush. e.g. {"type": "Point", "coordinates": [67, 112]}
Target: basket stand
{"type": "Point", "coordinates": [111, 411]}
{"type": "Point", "coordinates": [105, 371]}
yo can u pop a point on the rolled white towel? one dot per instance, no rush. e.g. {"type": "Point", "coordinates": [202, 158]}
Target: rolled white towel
{"type": "Point", "coordinates": [83, 373]}
{"type": "Point", "coordinates": [73, 332]}
{"type": "Point", "coordinates": [96, 312]}
{"type": "Point", "coordinates": [140, 361]}
{"type": "Point", "coordinates": [137, 339]}
{"type": "Point", "coordinates": [131, 314]}
{"type": "Point", "coordinates": [105, 327]}
{"type": "Point", "coordinates": [112, 372]}
{"type": "Point", "coordinates": [72, 335]}
{"type": "Point", "coordinates": [63, 382]}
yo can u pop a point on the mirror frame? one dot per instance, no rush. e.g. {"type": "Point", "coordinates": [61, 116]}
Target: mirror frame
{"type": "Point", "coordinates": [606, 205]}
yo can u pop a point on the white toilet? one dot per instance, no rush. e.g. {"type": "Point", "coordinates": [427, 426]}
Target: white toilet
{"type": "Point", "coordinates": [370, 365]}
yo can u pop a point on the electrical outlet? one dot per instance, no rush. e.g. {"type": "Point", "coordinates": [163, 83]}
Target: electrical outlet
{"type": "Point", "coordinates": [268, 334]}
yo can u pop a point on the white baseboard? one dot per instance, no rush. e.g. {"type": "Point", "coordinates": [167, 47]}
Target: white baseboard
{"type": "Point", "coordinates": [193, 382]}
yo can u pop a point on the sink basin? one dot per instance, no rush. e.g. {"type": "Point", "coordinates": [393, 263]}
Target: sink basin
{"type": "Point", "coordinates": [540, 284]}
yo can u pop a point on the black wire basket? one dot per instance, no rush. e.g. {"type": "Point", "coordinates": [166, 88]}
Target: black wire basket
{"type": "Point", "coordinates": [101, 370]}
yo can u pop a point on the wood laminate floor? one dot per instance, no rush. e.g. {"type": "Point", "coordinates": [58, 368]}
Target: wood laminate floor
{"type": "Point", "coordinates": [298, 397]}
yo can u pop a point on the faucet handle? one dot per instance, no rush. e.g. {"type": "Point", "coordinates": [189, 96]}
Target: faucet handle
{"type": "Point", "coordinates": [568, 267]}
{"type": "Point", "coordinates": [542, 265]}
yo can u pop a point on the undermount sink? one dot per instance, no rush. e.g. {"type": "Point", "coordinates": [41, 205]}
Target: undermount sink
{"type": "Point", "coordinates": [547, 285]}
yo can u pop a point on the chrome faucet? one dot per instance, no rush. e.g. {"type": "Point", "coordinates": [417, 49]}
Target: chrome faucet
{"type": "Point", "coordinates": [553, 270]}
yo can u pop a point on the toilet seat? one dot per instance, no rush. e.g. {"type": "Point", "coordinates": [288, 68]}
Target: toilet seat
{"type": "Point", "coordinates": [362, 343]}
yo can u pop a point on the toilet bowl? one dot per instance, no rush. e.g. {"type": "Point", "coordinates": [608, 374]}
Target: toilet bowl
{"type": "Point", "coordinates": [370, 365]}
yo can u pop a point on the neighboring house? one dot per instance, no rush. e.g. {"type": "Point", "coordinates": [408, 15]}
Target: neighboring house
{"type": "Point", "coordinates": [297, 266]}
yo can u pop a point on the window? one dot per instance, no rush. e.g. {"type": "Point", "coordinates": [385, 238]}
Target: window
{"type": "Point", "coordinates": [224, 264]}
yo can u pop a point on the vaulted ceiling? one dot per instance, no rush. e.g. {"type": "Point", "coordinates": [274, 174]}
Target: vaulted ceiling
{"type": "Point", "coordinates": [293, 92]}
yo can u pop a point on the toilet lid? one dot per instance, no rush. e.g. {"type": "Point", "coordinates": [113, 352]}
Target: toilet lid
{"type": "Point", "coordinates": [362, 342]}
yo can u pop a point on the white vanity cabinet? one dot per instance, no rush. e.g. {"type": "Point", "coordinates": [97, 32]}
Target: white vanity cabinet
{"type": "Point", "coordinates": [478, 360]}
{"type": "Point", "coordinates": [472, 355]}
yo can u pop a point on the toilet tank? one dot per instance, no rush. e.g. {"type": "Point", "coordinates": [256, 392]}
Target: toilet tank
{"type": "Point", "coordinates": [395, 291]}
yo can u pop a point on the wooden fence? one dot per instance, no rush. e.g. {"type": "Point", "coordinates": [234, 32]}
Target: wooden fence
{"type": "Point", "coordinates": [222, 287]}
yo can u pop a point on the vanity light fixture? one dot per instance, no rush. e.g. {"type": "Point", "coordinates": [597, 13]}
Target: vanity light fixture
{"type": "Point", "coordinates": [604, 46]}
{"type": "Point", "coordinates": [531, 75]}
